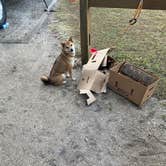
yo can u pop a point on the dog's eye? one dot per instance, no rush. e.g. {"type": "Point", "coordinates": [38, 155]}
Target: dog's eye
{"type": "Point", "coordinates": [71, 45]}
{"type": "Point", "coordinates": [67, 47]}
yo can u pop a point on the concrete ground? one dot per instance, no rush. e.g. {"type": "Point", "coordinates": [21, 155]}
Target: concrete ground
{"type": "Point", "coordinates": [51, 126]}
{"type": "Point", "coordinates": [24, 18]}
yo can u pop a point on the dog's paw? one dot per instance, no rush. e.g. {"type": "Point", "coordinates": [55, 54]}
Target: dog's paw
{"type": "Point", "coordinates": [67, 75]}
{"type": "Point", "coordinates": [64, 76]}
{"type": "Point", "coordinates": [73, 79]}
{"type": "Point", "coordinates": [64, 82]}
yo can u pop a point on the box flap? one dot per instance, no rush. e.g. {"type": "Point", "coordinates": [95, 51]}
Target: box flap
{"type": "Point", "coordinates": [99, 82]}
{"type": "Point", "coordinates": [96, 59]}
{"type": "Point", "coordinates": [91, 97]}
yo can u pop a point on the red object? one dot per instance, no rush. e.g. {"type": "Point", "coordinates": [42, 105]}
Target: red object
{"type": "Point", "coordinates": [93, 50]}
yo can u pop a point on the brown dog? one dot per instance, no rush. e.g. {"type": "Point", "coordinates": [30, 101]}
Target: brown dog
{"type": "Point", "coordinates": [62, 66]}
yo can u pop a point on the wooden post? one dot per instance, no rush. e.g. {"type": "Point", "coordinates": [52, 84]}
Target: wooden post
{"type": "Point", "coordinates": [84, 30]}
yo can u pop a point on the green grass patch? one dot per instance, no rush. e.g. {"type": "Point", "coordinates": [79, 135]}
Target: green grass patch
{"type": "Point", "coordinates": [163, 118]}
{"type": "Point", "coordinates": [163, 104]}
{"type": "Point", "coordinates": [144, 45]}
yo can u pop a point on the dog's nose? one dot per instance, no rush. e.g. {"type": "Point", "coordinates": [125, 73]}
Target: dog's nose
{"type": "Point", "coordinates": [71, 50]}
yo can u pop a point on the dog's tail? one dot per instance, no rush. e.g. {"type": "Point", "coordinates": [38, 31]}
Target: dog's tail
{"type": "Point", "coordinates": [45, 80]}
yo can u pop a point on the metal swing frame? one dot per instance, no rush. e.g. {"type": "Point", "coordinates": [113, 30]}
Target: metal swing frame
{"type": "Point", "coordinates": [48, 8]}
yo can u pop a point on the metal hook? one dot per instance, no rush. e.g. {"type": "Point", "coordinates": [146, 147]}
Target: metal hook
{"type": "Point", "coordinates": [132, 21]}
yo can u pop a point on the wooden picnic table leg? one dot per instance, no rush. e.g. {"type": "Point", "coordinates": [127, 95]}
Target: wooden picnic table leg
{"type": "Point", "coordinates": [84, 30]}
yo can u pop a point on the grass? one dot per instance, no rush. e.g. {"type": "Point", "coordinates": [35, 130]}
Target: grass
{"type": "Point", "coordinates": [163, 104]}
{"type": "Point", "coordinates": [144, 45]}
{"type": "Point", "coordinates": [163, 117]}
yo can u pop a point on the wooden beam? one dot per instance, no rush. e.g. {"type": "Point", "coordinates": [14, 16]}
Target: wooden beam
{"type": "Point", "coordinates": [84, 30]}
{"type": "Point", "coordinates": [148, 4]}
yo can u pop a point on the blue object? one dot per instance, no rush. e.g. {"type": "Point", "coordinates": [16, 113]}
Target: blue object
{"type": "Point", "coordinates": [5, 26]}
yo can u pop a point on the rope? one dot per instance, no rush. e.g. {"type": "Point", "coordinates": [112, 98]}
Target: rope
{"type": "Point", "coordinates": [132, 21]}
{"type": "Point", "coordinates": [137, 13]}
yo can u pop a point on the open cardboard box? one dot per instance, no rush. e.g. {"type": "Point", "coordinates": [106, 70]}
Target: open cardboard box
{"type": "Point", "coordinates": [102, 70]}
{"type": "Point", "coordinates": [133, 90]}
{"type": "Point", "coordinates": [95, 73]}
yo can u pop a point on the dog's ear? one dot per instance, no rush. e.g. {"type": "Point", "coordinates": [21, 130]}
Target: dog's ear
{"type": "Point", "coordinates": [62, 44]}
{"type": "Point", "coordinates": [70, 39]}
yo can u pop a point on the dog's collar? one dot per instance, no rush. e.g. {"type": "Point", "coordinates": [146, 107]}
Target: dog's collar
{"type": "Point", "coordinates": [68, 55]}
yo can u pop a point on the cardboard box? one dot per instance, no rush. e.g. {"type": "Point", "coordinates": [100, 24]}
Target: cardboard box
{"type": "Point", "coordinates": [133, 90]}
{"type": "Point", "coordinates": [95, 73]}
